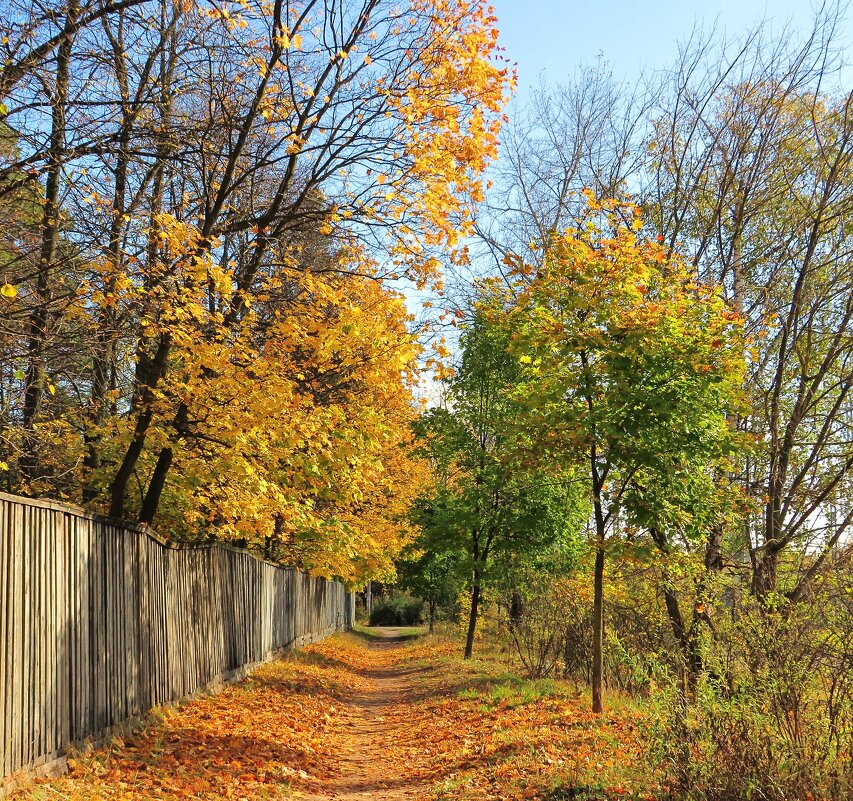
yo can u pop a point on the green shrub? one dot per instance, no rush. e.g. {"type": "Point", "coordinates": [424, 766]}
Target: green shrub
{"type": "Point", "coordinates": [400, 610]}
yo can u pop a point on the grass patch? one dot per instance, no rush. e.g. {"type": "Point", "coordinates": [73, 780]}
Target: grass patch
{"type": "Point", "coordinates": [380, 632]}
{"type": "Point", "coordinates": [510, 690]}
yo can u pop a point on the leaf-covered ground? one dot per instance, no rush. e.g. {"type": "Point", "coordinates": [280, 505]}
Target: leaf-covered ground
{"type": "Point", "coordinates": [363, 717]}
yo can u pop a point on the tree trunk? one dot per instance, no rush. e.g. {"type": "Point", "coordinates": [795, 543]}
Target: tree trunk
{"type": "Point", "coordinates": [155, 486]}
{"type": "Point", "coordinates": [764, 573]}
{"type": "Point", "coordinates": [765, 557]}
{"type": "Point", "coordinates": [688, 640]}
{"type": "Point", "coordinates": [272, 542]}
{"type": "Point", "coordinates": [106, 334]}
{"type": "Point", "coordinates": [516, 609]}
{"type": "Point", "coordinates": [36, 369]}
{"type": "Point", "coordinates": [103, 364]}
{"type": "Point", "coordinates": [598, 619]}
{"type": "Point", "coordinates": [150, 367]}
{"type": "Point", "coordinates": [161, 469]}
{"type": "Point", "coordinates": [472, 618]}
{"type": "Point", "coordinates": [154, 371]}
{"type": "Point", "coordinates": [597, 483]}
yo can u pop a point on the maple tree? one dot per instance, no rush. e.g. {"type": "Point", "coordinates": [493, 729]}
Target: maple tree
{"type": "Point", "coordinates": [630, 367]}
{"type": "Point", "coordinates": [206, 332]}
{"type": "Point", "coordinates": [738, 153]}
{"type": "Point", "coordinates": [311, 463]}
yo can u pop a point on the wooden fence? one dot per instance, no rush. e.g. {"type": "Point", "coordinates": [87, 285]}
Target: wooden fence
{"type": "Point", "coordinates": [100, 621]}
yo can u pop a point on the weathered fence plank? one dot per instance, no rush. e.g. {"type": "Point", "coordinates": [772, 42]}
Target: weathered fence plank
{"type": "Point", "coordinates": [101, 621]}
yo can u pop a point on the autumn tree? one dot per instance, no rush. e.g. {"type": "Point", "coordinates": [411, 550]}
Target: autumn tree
{"type": "Point", "coordinates": [486, 501]}
{"type": "Point", "coordinates": [751, 179]}
{"type": "Point", "coordinates": [332, 127]}
{"type": "Point", "coordinates": [737, 153]}
{"type": "Point", "coordinates": [630, 367]}
{"type": "Point", "coordinates": [221, 182]}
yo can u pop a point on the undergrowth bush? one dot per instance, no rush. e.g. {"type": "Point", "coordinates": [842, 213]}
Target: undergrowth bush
{"type": "Point", "coordinates": [771, 716]}
{"type": "Point", "coordinates": [400, 610]}
{"type": "Point", "coordinates": [551, 634]}
{"type": "Point", "coordinates": [766, 714]}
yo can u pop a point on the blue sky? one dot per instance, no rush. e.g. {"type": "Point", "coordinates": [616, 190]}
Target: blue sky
{"type": "Point", "coordinates": [554, 37]}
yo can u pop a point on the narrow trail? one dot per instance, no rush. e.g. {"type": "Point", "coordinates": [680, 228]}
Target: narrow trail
{"type": "Point", "coordinates": [376, 734]}
{"type": "Point", "coordinates": [365, 716]}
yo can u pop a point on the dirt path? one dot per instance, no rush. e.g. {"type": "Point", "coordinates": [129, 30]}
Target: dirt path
{"type": "Point", "coordinates": [365, 717]}
{"type": "Point", "coordinates": [371, 742]}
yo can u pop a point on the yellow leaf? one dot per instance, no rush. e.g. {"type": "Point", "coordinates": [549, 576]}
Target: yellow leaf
{"type": "Point", "coordinates": [8, 291]}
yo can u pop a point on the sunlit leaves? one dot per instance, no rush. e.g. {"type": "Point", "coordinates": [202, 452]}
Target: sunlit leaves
{"type": "Point", "coordinates": [625, 353]}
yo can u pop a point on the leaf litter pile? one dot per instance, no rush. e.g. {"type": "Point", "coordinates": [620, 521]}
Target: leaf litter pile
{"type": "Point", "coordinates": [355, 718]}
